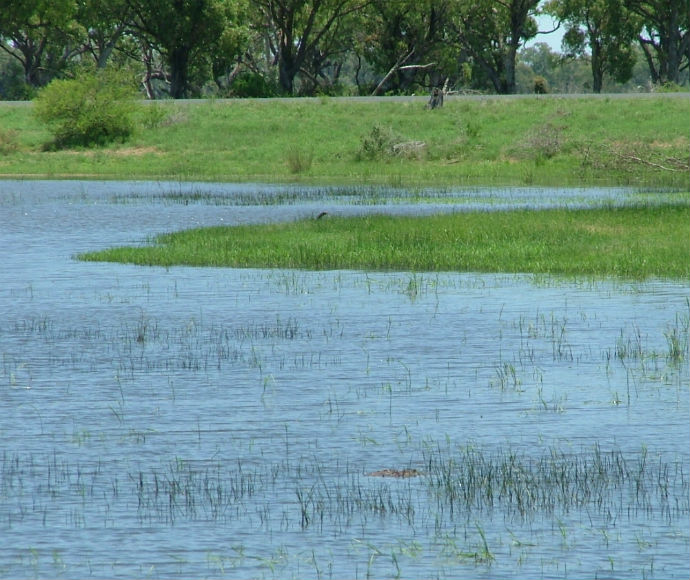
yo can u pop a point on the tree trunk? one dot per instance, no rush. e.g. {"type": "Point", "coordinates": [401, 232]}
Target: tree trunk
{"type": "Point", "coordinates": [31, 62]}
{"type": "Point", "coordinates": [508, 80]}
{"type": "Point", "coordinates": [673, 44]}
{"type": "Point", "coordinates": [597, 68]}
{"type": "Point", "coordinates": [108, 46]}
{"type": "Point", "coordinates": [286, 73]}
{"type": "Point", "coordinates": [654, 73]}
{"type": "Point", "coordinates": [179, 72]}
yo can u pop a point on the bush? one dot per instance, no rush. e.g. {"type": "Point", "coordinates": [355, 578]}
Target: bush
{"type": "Point", "coordinates": [378, 144]}
{"type": "Point", "coordinates": [91, 109]}
{"type": "Point", "coordinates": [541, 85]}
{"type": "Point", "coordinates": [384, 143]}
{"type": "Point", "coordinates": [12, 84]}
{"type": "Point", "coordinates": [253, 85]}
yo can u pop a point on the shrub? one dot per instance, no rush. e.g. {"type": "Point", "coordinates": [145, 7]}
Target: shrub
{"type": "Point", "coordinates": [541, 85]}
{"type": "Point", "coordinates": [253, 85]}
{"type": "Point", "coordinates": [384, 143]}
{"type": "Point", "coordinates": [378, 144]}
{"type": "Point", "coordinates": [91, 109]}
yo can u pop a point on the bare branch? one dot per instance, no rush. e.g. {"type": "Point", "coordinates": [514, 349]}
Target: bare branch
{"type": "Point", "coordinates": [401, 60]}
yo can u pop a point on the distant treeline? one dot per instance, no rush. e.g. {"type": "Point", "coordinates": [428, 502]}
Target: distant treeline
{"type": "Point", "coordinates": [262, 48]}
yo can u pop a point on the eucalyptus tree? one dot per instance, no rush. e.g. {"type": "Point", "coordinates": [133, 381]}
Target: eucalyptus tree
{"type": "Point", "coordinates": [188, 33]}
{"type": "Point", "coordinates": [43, 35]}
{"type": "Point", "coordinates": [297, 31]}
{"type": "Point", "coordinates": [664, 37]}
{"type": "Point", "coordinates": [563, 74]}
{"type": "Point", "coordinates": [490, 34]}
{"type": "Point", "coordinates": [105, 23]}
{"type": "Point", "coordinates": [405, 38]}
{"type": "Point", "coordinates": [605, 27]}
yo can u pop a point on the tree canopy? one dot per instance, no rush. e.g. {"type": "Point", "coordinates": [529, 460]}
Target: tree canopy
{"type": "Point", "coordinates": [193, 48]}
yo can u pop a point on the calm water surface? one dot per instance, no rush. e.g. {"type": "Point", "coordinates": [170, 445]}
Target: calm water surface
{"type": "Point", "coordinates": [191, 422]}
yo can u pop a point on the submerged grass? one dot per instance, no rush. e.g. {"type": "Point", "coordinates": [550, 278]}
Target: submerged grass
{"type": "Point", "coordinates": [634, 242]}
{"type": "Point", "coordinates": [458, 483]}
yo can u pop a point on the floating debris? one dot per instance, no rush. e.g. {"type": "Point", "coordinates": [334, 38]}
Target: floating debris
{"type": "Point", "coordinates": [395, 473]}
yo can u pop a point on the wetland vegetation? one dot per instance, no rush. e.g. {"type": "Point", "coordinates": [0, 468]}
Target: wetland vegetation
{"type": "Point", "coordinates": [232, 419]}
{"type": "Point", "coordinates": [630, 242]}
{"type": "Point", "coordinates": [235, 419]}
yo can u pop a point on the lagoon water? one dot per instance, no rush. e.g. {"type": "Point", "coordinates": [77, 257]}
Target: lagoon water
{"type": "Point", "coordinates": [190, 422]}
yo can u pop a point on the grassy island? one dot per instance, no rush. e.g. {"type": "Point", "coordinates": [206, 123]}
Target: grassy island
{"type": "Point", "coordinates": [631, 242]}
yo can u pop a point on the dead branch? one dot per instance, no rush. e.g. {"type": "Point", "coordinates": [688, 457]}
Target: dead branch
{"type": "Point", "coordinates": [417, 66]}
{"type": "Point", "coordinates": [401, 61]}
{"type": "Point", "coordinates": [680, 165]}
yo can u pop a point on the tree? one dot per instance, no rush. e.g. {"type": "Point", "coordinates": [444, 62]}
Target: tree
{"type": "Point", "coordinates": [607, 28]}
{"type": "Point", "coordinates": [42, 35]}
{"type": "Point", "coordinates": [405, 38]}
{"type": "Point", "coordinates": [105, 22]}
{"type": "Point", "coordinates": [186, 33]}
{"type": "Point", "coordinates": [299, 29]}
{"type": "Point", "coordinates": [540, 58]}
{"type": "Point", "coordinates": [664, 37]}
{"type": "Point", "coordinates": [563, 74]}
{"type": "Point", "coordinates": [491, 34]}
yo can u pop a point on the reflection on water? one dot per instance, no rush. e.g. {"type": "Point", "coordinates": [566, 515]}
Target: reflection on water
{"type": "Point", "coordinates": [214, 422]}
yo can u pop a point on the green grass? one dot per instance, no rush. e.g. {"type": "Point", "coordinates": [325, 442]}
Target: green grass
{"type": "Point", "coordinates": [632, 242]}
{"type": "Point", "coordinates": [491, 141]}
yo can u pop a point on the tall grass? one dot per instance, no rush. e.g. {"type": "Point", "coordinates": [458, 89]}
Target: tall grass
{"type": "Point", "coordinates": [508, 141]}
{"type": "Point", "coordinates": [631, 242]}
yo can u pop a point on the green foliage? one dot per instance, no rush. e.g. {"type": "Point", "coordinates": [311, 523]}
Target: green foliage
{"type": "Point", "coordinates": [378, 144]}
{"type": "Point", "coordinates": [91, 109]}
{"type": "Point", "coordinates": [253, 85]}
{"type": "Point", "coordinates": [13, 86]}
{"type": "Point", "coordinates": [43, 35]}
{"type": "Point", "coordinates": [491, 33]}
{"type": "Point", "coordinates": [607, 28]}
{"type": "Point", "coordinates": [197, 39]}
{"type": "Point", "coordinates": [192, 48]}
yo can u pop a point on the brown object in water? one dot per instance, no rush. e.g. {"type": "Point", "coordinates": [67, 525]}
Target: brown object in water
{"type": "Point", "coordinates": [395, 473]}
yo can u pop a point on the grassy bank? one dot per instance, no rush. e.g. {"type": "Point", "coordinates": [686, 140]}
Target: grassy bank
{"type": "Point", "coordinates": [489, 141]}
{"type": "Point", "coordinates": [633, 242]}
